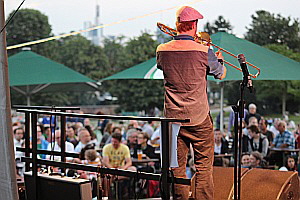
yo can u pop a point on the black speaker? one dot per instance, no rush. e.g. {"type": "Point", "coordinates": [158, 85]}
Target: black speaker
{"type": "Point", "coordinates": [57, 188]}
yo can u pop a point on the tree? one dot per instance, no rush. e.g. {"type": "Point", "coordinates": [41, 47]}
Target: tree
{"type": "Point", "coordinates": [114, 49]}
{"type": "Point", "coordinates": [81, 55]}
{"type": "Point", "coordinates": [218, 25]}
{"type": "Point", "coordinates": [141, 48]}
{"type": "Point", "coordinates": [266, 28]}
{"type": "Point", "coordinates": [27, 25]}
{"type": "Point", "coordinates": [136, 95]}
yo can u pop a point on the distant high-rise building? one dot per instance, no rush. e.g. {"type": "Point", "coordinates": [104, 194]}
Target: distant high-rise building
{"type": "Point", "coordinates": [96, 36]}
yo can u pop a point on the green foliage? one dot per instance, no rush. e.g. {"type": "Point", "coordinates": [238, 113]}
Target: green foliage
{"type": "Point", "coordinates": [137, 95]}
{"type": "Point", "coordinates": [218, 25]}
{"type": "Point", "coordinates": [266, 28]}
{"type": "Point", "coordinates": [141, 48]}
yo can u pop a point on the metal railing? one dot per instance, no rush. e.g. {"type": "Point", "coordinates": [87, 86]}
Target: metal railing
{"type": "Point", "coordinates": [31, 116]}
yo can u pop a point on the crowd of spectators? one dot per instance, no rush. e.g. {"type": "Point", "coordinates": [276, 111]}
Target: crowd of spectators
{"type": "Point", "coordinates": [102, 143]}
{"type": "Point", "coordinates": [115, 144]}
{"type": "Point", "coordinates": [266, 143]}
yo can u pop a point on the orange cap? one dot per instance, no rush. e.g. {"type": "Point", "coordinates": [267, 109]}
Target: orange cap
{"type": "Point", "coordinates": [187, 13]}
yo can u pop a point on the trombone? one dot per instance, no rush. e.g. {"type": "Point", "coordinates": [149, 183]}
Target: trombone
{"type": "Point", "coordinates": [204, 38]}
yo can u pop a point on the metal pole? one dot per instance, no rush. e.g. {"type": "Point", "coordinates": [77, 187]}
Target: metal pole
{"type": "Point", "coordinates": [63, 139]}
{"type": "Point", "coordinates": [34, 155]}
{"type": "Point", "coordinates": [27, 139]}
{"type": "Point", "coordinates": [8, 182]}
{"type": "Point", "coordinates": [165, 140]}
{"type": "Point", "coordinates": [222, 108]}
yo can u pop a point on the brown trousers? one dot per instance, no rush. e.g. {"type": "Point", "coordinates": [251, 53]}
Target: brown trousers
{"type": "Point", "coordinates": [202, 139]}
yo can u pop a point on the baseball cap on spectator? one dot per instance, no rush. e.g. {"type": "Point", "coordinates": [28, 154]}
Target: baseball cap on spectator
{"type": "Point", "coordinates": [187, 13]}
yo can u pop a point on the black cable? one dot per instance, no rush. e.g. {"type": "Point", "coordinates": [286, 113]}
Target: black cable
{"type": "Point", "coordinates": [7, 22]}
{"type": "Point", "coordinates": [173, 183]}
{"type": "Point", "coordinates": [160, 187]}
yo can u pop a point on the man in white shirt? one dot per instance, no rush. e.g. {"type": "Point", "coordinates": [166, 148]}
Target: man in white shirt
{"type": "Point", "coordinates": [18, 141]}
{"type": "Point", "coordinates": [84, 139]}
{"type": "Point", "coordinates": [69, 147]}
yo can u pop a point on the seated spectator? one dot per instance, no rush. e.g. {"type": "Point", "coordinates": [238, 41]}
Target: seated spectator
{"type": "Point", "coordinates": [284, 139]}
{"type": "Point", "coordinates": [42, 144]}
{"type": "Point", "coordinates": [116, 154]}
{"type": "Point", "coordinates": [245, 160]}
{"type": "Point", "coordinates": [91, 157]}
{"type": "Point", "coordinates": [252, 121]}
{"type": "Point", "coordinates": [148, 128]}
{"type": "Point", "coordinates": [143, 145]}
{"type": "Point", "coordinates": [263, 124]}
{"type": "Point", "coordinates": [93, 135]}
{"type": "Point", "coordinates": [256, 160]}
{"type": "Point", "coordinates": [290, 164]}
{"type": "Point", "coordinates": [132, 139]}
{"type": "Point", "coordinates": [84, 139]}
{"type": "Point", "coordinates": [71, 136]}
{"type": "Point", "coordinates": [114, 130]}
{"type": "Point", "coordinates": [18, 141]}
{"type": "Point", "coordinates": [258, 142]}
{"type": "Point", "coordinates": [69, 147]}
{"type": "Point", "coordinates": [274, 127]}
{"type": "Point", "coordinates": [108, 130]}
{"type": "Point", "coordinates": [155, 138]}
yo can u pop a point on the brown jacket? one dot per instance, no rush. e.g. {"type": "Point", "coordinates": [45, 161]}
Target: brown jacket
{"type": "Point", "coordinates": [185, 66]}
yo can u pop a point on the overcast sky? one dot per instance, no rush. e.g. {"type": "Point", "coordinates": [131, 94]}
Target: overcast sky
{"type": "Point", "coordinates": [69, 15]}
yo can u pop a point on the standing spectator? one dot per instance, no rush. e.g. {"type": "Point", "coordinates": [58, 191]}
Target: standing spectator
{"type": "Point", "coordinates": [263, 124]}
{"type": "Point", "coordinates": [231, 120]}
{"type": "Point", "coordinates": [252, 113]}
{"type": "Point", "coordinates": [84, 139]}
{"type": "Point", "coordinates": [258, 142]}
{"type": "Point", "coordinates": [69, 147]}
{"type": "Point", "coordinates": [102, 122]}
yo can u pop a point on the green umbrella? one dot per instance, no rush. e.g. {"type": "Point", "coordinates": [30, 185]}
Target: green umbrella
{"type": "Point", "coordinates": [273, 66]}
{"type": "Point", "coordinates": [30, 73]}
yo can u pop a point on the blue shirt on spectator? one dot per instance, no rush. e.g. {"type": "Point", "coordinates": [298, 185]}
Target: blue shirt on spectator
{"type": "Point", "coordinates": [284, 138]}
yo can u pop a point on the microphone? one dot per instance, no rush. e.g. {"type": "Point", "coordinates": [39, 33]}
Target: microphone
{"type": "Point", "coordinates": [247, 78]}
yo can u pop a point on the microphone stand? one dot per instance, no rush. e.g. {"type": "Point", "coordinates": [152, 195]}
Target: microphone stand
{"type": "Point", "coordinates": [238, 130]}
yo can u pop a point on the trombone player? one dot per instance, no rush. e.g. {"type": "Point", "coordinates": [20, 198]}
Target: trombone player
{"type": "Point", "coordinates": [185, 64]}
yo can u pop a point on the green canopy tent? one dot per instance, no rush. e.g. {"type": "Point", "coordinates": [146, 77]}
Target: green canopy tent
{"type": "Point", "coordinates": [273, 66]}
{"type": "Point", "coordinates": [30, 73]}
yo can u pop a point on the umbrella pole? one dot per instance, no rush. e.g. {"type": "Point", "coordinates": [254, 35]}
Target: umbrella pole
{"type": "Point", "coordinates": [27, 95]}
